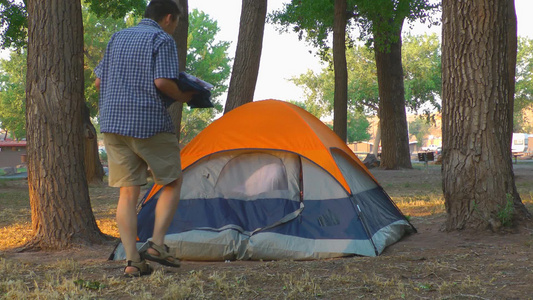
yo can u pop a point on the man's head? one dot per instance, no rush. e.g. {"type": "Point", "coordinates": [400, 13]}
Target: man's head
{"type": "Point", "coordinates": [165, 13]}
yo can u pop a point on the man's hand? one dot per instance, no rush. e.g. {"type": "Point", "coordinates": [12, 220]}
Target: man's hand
{"type": "Point", "coordinates": [188, 95]}
{"type": "Point", "coordinates": [171, 89]}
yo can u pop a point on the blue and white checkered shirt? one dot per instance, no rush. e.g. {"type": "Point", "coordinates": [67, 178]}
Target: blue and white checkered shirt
{"type": "Point", "coordinates": [130, 104]}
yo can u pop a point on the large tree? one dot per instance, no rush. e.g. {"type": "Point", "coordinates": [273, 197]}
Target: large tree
{"type": "Point", "coordinates": [59, 196]}
{"type": "Point", "coordinates": [248, 54]}
{"type": "Point", "coordinates": [478, 62]}
{"type": "Point", "coordinates": [381, 23]}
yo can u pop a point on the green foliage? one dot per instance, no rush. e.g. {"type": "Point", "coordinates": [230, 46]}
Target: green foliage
{"type": "Point", "coordinates": [13, 17]}
{"type": "Point", "coordinates": [13, 94]}
{"type": "Point", "coordinates": [96, 33]}
{"type": "Point", "coordinates": [13, 24]}
{"type": "Point", "coordinates": [89, 284]}
{"type": "Point", "coordinates": [206, 59]}
{"type": "Point", "coordinates": [524, 84]}
{"type": "Point", "coordinates": [422, 73]}
{"type": "Point", "coordinates": [379, 20]}
{"type": "Point", "coordinates": [117, 9]}
{"type": "Point", "coordinates": [505, 214]}
{"type": "Point", "coordinates": [358, 126]}
{"type": "Point", "coordinates": [422, 69]}
{"type": "Point", "coordinates": [209, 61]}
{"type": "Point", "coordinates": [103, 156]}
{"type": "Point", "coordinates": [420, 129]}
{"type": "Point", "coordinates": [314, 19]}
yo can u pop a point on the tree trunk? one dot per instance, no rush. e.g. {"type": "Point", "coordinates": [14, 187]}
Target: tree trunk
{"type": "Point", "coordinates": [180, 37]}
{"type": "Point", "coordinates": [478, 178]}
{"type": "Point", "coordinates": [248, 54]}
{"type": "Point", "coordinates": [94, 170]}
{"type": "Point", "coordinates": [393, 119]}
{"type": "Point", "coordinates": [340, 101]}
{"type": "Point", "coordinates": [59, 196]}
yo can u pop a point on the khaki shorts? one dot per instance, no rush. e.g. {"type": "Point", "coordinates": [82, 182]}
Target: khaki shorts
{"type": "Point", "coordinates": [129, 158]}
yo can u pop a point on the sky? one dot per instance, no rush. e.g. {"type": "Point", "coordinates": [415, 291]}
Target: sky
{"type": "Point", "coordinates": [284, 56]}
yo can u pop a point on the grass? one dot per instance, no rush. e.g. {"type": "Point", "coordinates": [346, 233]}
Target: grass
{"type": "Point", "coordinates": [444, 266]}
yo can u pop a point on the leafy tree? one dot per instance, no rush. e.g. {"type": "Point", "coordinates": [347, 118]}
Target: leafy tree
{"type": "Point", "coordinates": [420, 129]}
{"type": "Point", "coordinates": [357, 122]}
{"type": "Point", "coordinates": [421, 59]}
{"type": "Point", "coordinates": [13, 24]}
{"type": "Point", "coordinates": [357, 127]}
{"type": "Point", "coordinates": [12, 94]}
{"type": "Point", "coordinates": [478, 63]}
{"type": "Point", "coordinates": [117, 9]}
{"type": "Point", "coordinates": [524, 85]}
{"type": "Point", "coordinates": [97, 30]}
{"type": "Point", "coordinates": [208, 60]}
{"type": "Point", "coordinates": [421, 75]}
{"type": "Point", "coordinates": [380, 23]}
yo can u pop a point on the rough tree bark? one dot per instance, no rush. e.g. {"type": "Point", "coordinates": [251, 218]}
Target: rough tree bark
{"type": "Point", "coordinates": [340, 98]}
{"type": "Point", "coordinates": [180, 37]}
{"type": "Point", "coordinates": [393, 120]}
{"type": "Point", "coordinates": [248, 54]}
{"type": "Point", "coordinates": [59, 196]}
{"type": "Point", "coordinates": [478, 80]}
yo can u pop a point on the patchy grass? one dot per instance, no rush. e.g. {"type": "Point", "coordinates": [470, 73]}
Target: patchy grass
{"type": "Point", "coordinates": [428, 265]}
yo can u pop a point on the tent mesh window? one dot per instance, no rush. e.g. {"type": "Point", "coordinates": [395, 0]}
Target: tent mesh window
{"type": "Point", "coordinates": [249, 175]}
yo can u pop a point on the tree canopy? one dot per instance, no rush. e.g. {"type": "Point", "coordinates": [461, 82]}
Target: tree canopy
{"type": "Point", "coordinates": [422, 76]}
{"type": "Point", "coordinates": [313, 20]}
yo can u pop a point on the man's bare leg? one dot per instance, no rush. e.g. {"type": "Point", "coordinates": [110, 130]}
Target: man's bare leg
{"type": "Point", "coordinates": [164, 212]}
{"type": "Point", "coordinates": [127, 222]}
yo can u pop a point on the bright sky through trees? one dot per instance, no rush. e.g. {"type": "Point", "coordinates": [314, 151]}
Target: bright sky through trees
{"type": "Point", "coordinates": [284, 56]}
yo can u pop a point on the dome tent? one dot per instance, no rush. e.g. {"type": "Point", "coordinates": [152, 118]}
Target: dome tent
{"type": "Point", "coordinates": [268, 180]}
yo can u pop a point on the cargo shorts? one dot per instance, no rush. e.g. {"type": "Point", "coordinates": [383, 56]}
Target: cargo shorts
{"type": "Point", "coordinates": [129, 159]}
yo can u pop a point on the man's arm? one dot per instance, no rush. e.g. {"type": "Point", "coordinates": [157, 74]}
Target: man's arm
{"type": "Point", "coordinates": [97, 84]}
{"type": "Point", "coordinates": [170, 88]}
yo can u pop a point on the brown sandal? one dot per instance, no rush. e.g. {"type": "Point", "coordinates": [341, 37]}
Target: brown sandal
{"type": "Point", "coordinates": [142, 268]}
{"type": "Point", "coordinates": [164, 257]}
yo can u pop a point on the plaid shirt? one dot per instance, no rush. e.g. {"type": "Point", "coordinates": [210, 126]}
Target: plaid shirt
{"type": "Point", "coordinates": [130, 104]}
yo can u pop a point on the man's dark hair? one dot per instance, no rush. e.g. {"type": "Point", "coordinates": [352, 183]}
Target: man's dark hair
{"type": "Point", "coordinates": [158, 9]}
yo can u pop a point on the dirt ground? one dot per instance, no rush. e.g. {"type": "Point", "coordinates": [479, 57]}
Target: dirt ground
{"type": "Point", "coordinates": [431, 264]}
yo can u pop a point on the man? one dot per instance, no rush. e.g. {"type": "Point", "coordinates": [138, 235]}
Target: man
{"type": "Point", "coordinates": [136, 72]}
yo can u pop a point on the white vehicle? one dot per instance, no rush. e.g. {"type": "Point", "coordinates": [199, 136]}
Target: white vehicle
{"type": "Point", "coordinates": [432, 148]}
{"type": "Point", "coordinates": [520, 143]}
